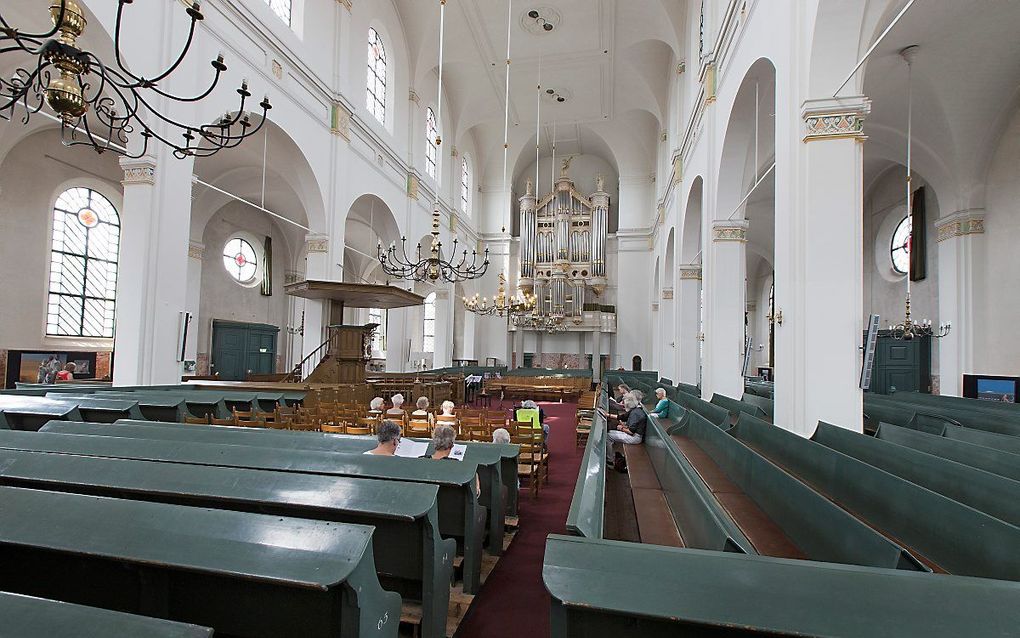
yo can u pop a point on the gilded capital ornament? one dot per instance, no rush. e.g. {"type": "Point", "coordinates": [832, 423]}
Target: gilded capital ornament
{"type": "Point", "coordinates": [727, 230]}
{"type": "Point", "coordinates": [138, 171]}
{"type": "Point", "coordinates": [317, 243]}
{"type": "Point", "coordinates": [196, 250]}
{"type": "Point", "coordinates": [835, 118]}
{"type": "Point", "coordinates": [961, 224]}
{"type": "Point", "coordinates": [690, 273]}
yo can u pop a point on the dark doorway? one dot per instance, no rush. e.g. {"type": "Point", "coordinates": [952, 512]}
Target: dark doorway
{"type": "Point", "coordinates": [242, 349]}
{"type": "Point", "coordinates": [635, 363]}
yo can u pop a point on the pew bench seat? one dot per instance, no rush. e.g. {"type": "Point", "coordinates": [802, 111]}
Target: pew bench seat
{"type": "Point", "coordinates": [654, 518]}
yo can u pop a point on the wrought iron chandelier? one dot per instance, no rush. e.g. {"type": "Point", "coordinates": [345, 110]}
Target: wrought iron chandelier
{"type": "Point", "coordinates": [501, 305]}
{"type": "Point", "coordinates": [434, 266]}
{"type": "Point", "coordinates": [106, 105]}
{"type": "Point", "coordinates": [910, 329]}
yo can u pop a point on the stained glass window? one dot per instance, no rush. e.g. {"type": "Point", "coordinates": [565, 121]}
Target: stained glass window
{"type": "Point", "coordinates": [429, 332]}
{"type": "Point", "coordinates": [281, 8]}
{"type": "Point", "coordinates": [240, 260]}
{"type": "Point", "coordinates": [376, 100]}
{"type": "Point", "coordinates": [83, 265]}
{"type": "Point", "coordinates": [465, 185]}
{"type": "Point", "coordinates": [431, 150]}
{"type": "Point", "coordinates": [899, 251]}
{"type": "Point", "coordinates": [376, 315]}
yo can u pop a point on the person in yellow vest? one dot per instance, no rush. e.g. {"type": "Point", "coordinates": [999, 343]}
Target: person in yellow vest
{"type": "Point", "coordinates": [529, 412]}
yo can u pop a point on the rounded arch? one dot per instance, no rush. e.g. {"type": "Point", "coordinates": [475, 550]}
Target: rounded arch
{"type": "Point", "coordinates": [369, 222]}
{"type": "Point", "coordinates": [690, 231]}
{"type": "Point", "coordinates": [669, 263]}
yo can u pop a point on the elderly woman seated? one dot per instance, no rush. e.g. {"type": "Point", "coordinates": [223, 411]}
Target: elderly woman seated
{"type": "Point", "coordinates": [447, 415]}
{"type": "Point", "coordinates": [422, 413]}
{"type": "Point", "coordinates": [443, 439]}
{"type": "Point", "coordinates": [398, 407]}
{"type": "Point", "coordinates": [375, 406]}
{"type": "Point", "coordinates": [662, 405]}
{"type": "Point", "coordinates": [529, 412]}
{"type": "Point", "coordinates": [389, 437]}
{"type": "Point", "coordinates": [500, 435]}
{"type": "Point", "coordinates": [630, 431]}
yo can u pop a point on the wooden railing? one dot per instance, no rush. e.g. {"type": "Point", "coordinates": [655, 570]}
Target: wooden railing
{"type": "Point", "coordinates": [315, 357]}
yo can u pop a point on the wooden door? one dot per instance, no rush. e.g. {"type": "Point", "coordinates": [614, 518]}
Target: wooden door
{"type": "Point", "coordinates": [240, 349]}
{"type": "Point", "coordinates": [901, 366]}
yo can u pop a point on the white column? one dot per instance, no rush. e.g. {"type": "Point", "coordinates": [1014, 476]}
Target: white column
{"type": "Point", "coordinates": [196, 252]}
{"type": "Point", "coordinates": [443, 355]}
{"type": "Point", "coordinates": [724, 296]}
{"type": "Point", "coordinates": [316, 311]}
{"type": "Point", "coordinates": [151, 291]}
{"type": "Point", "coordinates": [961, 240]}
{"type": "Point", "coordinates": [596, 350]}
{"type": "Point", "coordinates": [688, 340]}
{"type": "Point", "coordinates": [668, 335]}
{"type": "Point", "coordinates": [820, 382]}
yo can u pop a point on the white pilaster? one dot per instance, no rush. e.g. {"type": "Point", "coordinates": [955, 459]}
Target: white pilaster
{"type": "Point", "coordinates": [316, 311]}
{"type": "Point", "coordinates": [443, 355]}
{"type": "Point", "coordinates": [724, 296]}
{"type": "Point", "coordinates": [688, 343]}
{"type": "Point", "coordinates": [961, 240]}
{"type": "Point", "coordinates": [196, 253]}
{"type": "Point", "coordinates": [825, 325]}
{"type": "Point", "coordinates": [151, 291]}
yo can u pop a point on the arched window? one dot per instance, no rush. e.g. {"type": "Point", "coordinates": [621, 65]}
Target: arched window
{"type": "Point", "coordinates": [282, 8]}
{"type": "Point", "coordinates": [376, 100]}
{"type": "Point", "coordinates": [465, 185]}
{"type": "Point", "coordinates": [83, 265]}
{"type": "Point", "coordinates": [428, 342]}
{"type": "Point", "coordinates": [431, 149]}
{"type": "Point", "coordinates": [241, 260]}
{"type": "Point", "coordinates": [378, 316]}
{"type": "Point", "coordinates": [899, 249]}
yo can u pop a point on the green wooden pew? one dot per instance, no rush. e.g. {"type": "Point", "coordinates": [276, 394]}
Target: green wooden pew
{"type": "Point", "coordinates": [1010, 409]}
{"type": "Point", "coordinates": [687, 388]}
{"type": "Point", "coordinates": [195, 405]}
{"type": "Point", "coordinates": [487, 458]}
{"type": "Point", "coordinates": [1002, 463]}
{"type": "Point", "coordinates": [817, 527]}
{"type": "Point", "coordinates": [410, 557]}
{"type": "Point", "coordinates": [586, 515]}
{"type": "Point", "coordinates": [975, 416]}
{"type": "Point", "coordinates": [242, 574]}
{"type": "Point", "coordinates": [154, 407]}
{"type": "Point", "coordinates": [610, 588]}
{"type": "Point", "coordinates": [100, 409]}
{"type": "Point", "coordinates": [947, 535]}
{"type": "Point", "coordinates": [995, 441]}
{"type": "Point", "coordinates": [31, 617]}
{"type": "Point", "coordinates": [460, 515]}
{"type": "Point", "coordinates": [702, 521]}
{"type": "Point", "coordinates": [767, 406]}
{"type": "Point", "coordinates": [985, 492]}
{"type": "Point", "coordinates": [710, 411]}
{"type": "Point", "coordinates": [31, 413]}
{"type": "Point", "coordinates": [735, 407]}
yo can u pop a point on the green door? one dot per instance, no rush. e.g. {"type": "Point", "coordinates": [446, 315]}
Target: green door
{"type": "Point", "coordinates": [242, 349]}
{"type": "Point", "coordinates": [901, 366]}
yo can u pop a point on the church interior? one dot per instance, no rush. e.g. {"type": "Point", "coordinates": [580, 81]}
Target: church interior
{"type": "Point", "coordinates": [695, 294]}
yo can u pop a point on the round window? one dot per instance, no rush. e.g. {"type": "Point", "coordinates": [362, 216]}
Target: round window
{"type": "Point", "coordinates": [240, 260]}
{"type": "Point", "coordinates": [899, 249]}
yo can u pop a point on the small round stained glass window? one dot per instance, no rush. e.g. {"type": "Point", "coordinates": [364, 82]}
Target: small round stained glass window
{"type": "Point", "coordinates": [88, 218]}
{"type": "Point", "coordinates": [899, 250]}
{"type": "Point", "coordinates": [240, 260]}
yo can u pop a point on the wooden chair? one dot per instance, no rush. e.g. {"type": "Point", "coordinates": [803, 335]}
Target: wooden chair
{"type": "Point", "coordinates": [421, 428]}
{"type": "Point", "coordinates": [582, 431]}
{"type": "Point", "coordinates": [333, 429]}
{"type": "Point", "coordinates": [493, 421]}
{"type": "Point", "coordinates": [242, 414]}
{"type": "Point", "coordinates": [530, 464]}
{"type": "Point", "coordinates": [359, 429]}
{"type": "Point", "coordinates": [214, 421]}
{"type": "Point", "coordinates": [197, 420]}
{"type": "Point", "coordinates": [252, 423]}
{"type": "Point", "coordinates": [479, 436]}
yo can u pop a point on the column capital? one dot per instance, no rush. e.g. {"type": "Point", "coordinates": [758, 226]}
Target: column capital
{"type": "Point", "coordinates": [196, 250]}
{"type": "Point", "coordinates": [292, 277]}
{"type": "Point", "coordinates": [729, 230]}
{"type": "Point", "coordinates": [340, 121]}
{"type": "Point", "coordinates": [667, 293]}
{"type": "Point", "coordinates": [835, 118]}
{"type": "Point", "coordinates": [690, 272]}
{"type": "Point", "coordinates": [752, 306]}
{"type": "Point", "coordinates": [412, 185]}
{"type": "Point", "coordinates": [960, 224]}
{"type": "Point", "coordinates": [413, 96]}
{"type": "Point", "coordinates": [140, 170]}
{"type": "Point", "coordinates": [317, 243]}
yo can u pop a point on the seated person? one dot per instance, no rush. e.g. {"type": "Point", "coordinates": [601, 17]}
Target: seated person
{"type": "Point", "coordinates": [67, 374]}
{"type": "Point", "coordinates": [375, 406]}
{"type": "Point", "coordinates": [389, 438]}
{"type": "Point", "coordinates": [447, 415]}
{"type": "Point", "coordinates": [422, 413]}
{"type": "Point", "coordinates": [443, 440]}
{"type": "Point", "coordinates": [398, 407]}
{"type": "Point", "coordinates": [662, 406]}
{"type": "Point", "coordinates": [616, 401]}
{"type": "Point", "coordinates": [530, 412]}
{"type": "Point", "coordinates": [629, 432]}
{"type": "Point", "coordinates": [500, 435]}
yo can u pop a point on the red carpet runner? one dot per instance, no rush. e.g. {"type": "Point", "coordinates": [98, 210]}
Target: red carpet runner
{"type": "Point", "coordinates": [513, 601]}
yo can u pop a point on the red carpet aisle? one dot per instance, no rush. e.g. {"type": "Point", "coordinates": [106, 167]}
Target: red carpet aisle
{"type": "Point", "coordinates": [513, 601]}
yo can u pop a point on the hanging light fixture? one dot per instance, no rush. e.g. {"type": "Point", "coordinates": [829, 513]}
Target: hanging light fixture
{"type": "Point", "coordinates": [102, 105]}
{"type": "Point", "coordinates": [433, 266]}
{"type": "Point", "coordinates": [909, 329]}
{"type": "Point", "coordinates": [501, 304]}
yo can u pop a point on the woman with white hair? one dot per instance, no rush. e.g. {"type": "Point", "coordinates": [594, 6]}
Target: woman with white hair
{"type": "Point", "coordinates": [662, 406]}
{"type": "Point", "coordinates": [398, 407]}
{"type": "Point", "coordinates": [375, 406]}
{"type": "Point", "coordinates": [443, 439]}
{"type": "Point", "coordinates": [447, 415]}
{"type": "Point", "coordinates": [631, 432]}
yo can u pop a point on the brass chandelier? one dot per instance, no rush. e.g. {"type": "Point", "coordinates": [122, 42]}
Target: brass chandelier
{"type": "Point", "coordinates": [102, 105]}
{"type": "Point", "coordinates": [501, 305]}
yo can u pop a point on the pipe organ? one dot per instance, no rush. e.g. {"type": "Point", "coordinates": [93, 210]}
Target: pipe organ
{"type": "Point", "coordinates": [563, 246]}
